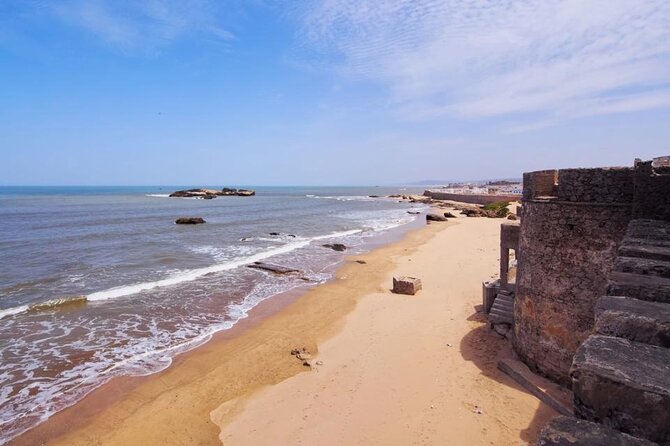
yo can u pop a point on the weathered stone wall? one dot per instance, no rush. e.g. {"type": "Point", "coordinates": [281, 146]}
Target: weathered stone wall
{"type": "Point", "coordinates": [610, 185]}
{"type": "Point", "coordinates": [566, 251]}
{"type": "Point", "coordinates": [567, 246]}
{"type": "Point", "coordinates": [541, 183]}
{"type": "Point", "coordinates": [652, 200]}
{"type": "Point", "coordinates": [471, 198]}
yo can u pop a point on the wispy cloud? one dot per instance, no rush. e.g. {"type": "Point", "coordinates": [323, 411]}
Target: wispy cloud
{"type": "Point", "coordinates": [143, 25]}
{"type": "Point", "coordinates": [548, 59]}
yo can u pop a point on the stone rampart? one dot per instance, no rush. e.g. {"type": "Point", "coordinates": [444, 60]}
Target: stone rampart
{"type": "Point", "coordinates": [570, 231]}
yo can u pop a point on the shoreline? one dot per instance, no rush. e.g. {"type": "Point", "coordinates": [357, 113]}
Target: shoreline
{"type": "Point", "coordinates": [219, 379]}
{"type": "Point", "coordinates": [104, 398]}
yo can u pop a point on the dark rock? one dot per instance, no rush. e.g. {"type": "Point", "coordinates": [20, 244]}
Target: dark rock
{"type": "Point", "coordinates": [373, 196]}
{"type": "Point", "coordinates": [568, 431]}
{"type": "Point", "coordinates": [435, 217]}
{"type": "Point", "coordinates": [274, 233]}
{"type": "Point", "coordinates": [335, 246]}
{"type": "Point", "coordinates": [195, 193]}
{"type": "Point", "coordinates": [362, 262]}
{"type": "Point", "coordinates": [512, 217]}
{"type": "Point", "coordinates": [189, 221]}
{"type": "Point", "coordinates": [413, 212]}
{"type": "Point", "coordinates": [634, 319]}
{"type": "Point", "coordinates": [208, 194]}
{"type": "Point", "coordinates": [449, 215]}
{"type": "Point", "coordinates": [623, 384]}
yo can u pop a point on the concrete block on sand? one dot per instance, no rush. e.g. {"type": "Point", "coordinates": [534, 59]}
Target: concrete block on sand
{"type": "Point", "coordinates": [406, 285]}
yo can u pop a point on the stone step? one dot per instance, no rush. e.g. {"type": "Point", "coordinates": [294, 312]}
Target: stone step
{"type": "Point", "coordinates": [501, 303]}
{"type": "Point", "coordinates": [639, 265]}
{"type": "Point", "coordinates": [569, 431]}
{"type": "Point", "coordinates": [504, 298]}
{"type": "Point", "coordinates": [649, 229]}
{"type": "Point", "coordinates": [617, 382]}
{"type": "Point", "coordinates": [633, 319]}
{"type": "Point", "coordinates": [501, 316]}
{"type": "Point", "coordinates": [645, 251]}
{"type": "Point", "coordinates": [639, 286]}
{"type": "Point", "coordinates": [503, 292]}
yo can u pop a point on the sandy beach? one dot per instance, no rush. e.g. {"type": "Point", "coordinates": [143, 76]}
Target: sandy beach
{"type": "Point", "coordinates": [387, 368]}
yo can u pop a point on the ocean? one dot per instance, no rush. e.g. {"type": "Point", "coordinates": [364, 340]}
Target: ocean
{"type": "Point", "coordinates": [98, 282]}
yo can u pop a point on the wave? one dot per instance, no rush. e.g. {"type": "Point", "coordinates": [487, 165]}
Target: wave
{"type": "Point", "coordinates": [345, 197]}
{"type": "Point", "coordinates": [158, 195]}
{"type": "Point", "coordinates": [57, 303]}
{"type": "Point", "coordinates": [199, 272]}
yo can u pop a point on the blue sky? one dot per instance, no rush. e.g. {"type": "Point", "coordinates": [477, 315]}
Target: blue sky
{"type": "Point", "coordinates": [327, 91]}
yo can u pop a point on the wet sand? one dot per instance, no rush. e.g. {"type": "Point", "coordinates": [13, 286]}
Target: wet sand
{"type": "Point", "coordinates": [396, 369]}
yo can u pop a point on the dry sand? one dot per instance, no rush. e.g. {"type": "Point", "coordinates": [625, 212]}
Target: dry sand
{"type": "Point", "coordinates": [397, 370]}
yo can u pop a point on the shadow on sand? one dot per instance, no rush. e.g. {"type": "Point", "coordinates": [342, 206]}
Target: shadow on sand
{"type": "Point", "coordinates": [484, 348]}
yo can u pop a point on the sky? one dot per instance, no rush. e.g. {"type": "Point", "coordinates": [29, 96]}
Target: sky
{"type": "Point", "coordinates": [327, 92]}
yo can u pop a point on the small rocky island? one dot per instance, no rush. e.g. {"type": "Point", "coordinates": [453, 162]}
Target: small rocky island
{"type": "Point", "coordinates": [208, 194]}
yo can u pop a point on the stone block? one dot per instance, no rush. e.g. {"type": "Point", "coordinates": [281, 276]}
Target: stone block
{"type": "Point", "coordinates": [639, 265]}
{"type": "Point", "coordinates": [568, 431]}
{"type": "Point", "coordinates": [639, 286]}
{"type": "Point", "coordinates": [623, 384]}
{"type": "Point", "coordinates": [406, 285]}
{"type": "Point", "coordinates": [634, 319]}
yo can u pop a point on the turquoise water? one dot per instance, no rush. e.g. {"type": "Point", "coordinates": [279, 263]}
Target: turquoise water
{"type": "Point", "coordinates": [97, 282]}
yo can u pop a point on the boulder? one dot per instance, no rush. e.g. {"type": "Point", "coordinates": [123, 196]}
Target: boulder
{"type": "Point", "coordinates": [245, 193]}
{"type": "Point", "coordinates": [335, 246]}
{"type": "Point", "coordinates": [512, 217]}
{"type": "Point", "coordinates": [449, 215]}
{"type": "Point", "coordinates": [406, 285]}
{"type": "Point", "coordinates": [435, 217]}
{"type": "Point", "coordinates": [189, 221]}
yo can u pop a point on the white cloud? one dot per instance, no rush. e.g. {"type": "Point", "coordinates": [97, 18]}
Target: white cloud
{"type": "Point", "coordinates": [482, 58]}
{"type": "Point", "coordinates": [145, 24]}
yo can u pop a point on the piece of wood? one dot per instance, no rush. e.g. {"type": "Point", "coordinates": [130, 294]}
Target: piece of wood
{"type": "Point", "coordinates": [517, 373]}
{"type": "Point", "coordinates": [277, 269]}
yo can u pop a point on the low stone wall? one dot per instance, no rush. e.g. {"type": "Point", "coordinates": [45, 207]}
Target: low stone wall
{"type": "Point", "coordinates": [473, 199]}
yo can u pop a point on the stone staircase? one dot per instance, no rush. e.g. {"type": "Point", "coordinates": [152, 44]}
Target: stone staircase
{"type": "Point", "coordinates": [621, 373]}
{"type": "Point", "coordinates": [502, 310]}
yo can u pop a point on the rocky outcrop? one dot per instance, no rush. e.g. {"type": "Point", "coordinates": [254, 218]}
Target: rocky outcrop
{"type": "Point", "coordinates": [208, 194]}
{"type": "Point", "coordinates": [189, 221]}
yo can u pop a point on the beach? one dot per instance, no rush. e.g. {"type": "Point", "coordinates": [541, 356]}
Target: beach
{"type": "Point", "coordinates": [387, 368]}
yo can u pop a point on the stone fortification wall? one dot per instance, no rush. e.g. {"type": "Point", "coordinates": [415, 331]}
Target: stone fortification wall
{"type": "Point", "coordinates": [573, 221]}
{"type": "Point", "coordinates": [652, 200]}
{"type": "Point", "coordinates": [471, 198]}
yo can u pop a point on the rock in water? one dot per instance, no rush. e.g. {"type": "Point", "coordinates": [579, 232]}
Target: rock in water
{"type": "Point", "coordinates": [189, 221]}
{"type": "Point", "coordinates": [335, 246]}
{"type": "Point", "coordinates": [208, 194]}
